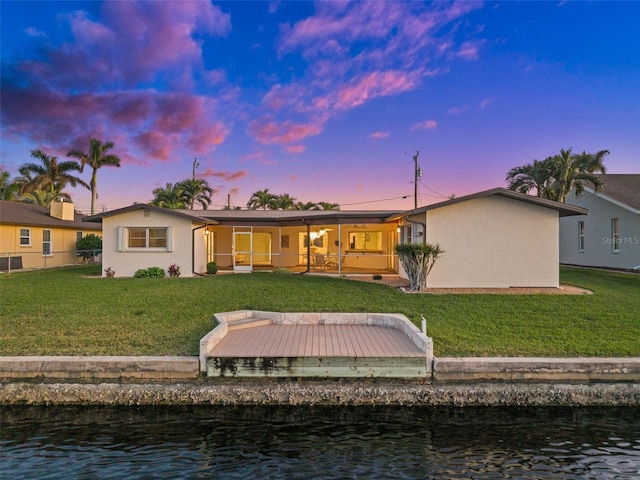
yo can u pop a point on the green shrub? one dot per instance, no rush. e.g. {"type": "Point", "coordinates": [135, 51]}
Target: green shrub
{"type": "Point", "coordinates": [151, 272]}
{"type": "Point", "coordinates": [88, 246]}
{"type": "Point", "coordinates": [212, 268]}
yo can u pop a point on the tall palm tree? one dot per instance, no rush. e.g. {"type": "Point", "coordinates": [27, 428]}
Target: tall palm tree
{"type": "Point", "coordinates": [572, 171]}
{"type": "Point", "coordinates": [97, 157]}
{"type": "Point", "coordinates": [196, 190]}
{"type": "Point", "coordinates": [171, 196]}
{"type": "Point", "coordinates": [284, 202]}
{"type": "Point", "coordinates": [49, 175]}
{"type": "Point", "coordinates": [536, 176]}
{"type": "Point", "coordinates": [261, 199]}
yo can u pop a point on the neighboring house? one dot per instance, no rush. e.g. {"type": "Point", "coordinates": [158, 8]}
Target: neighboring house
{"type": "Point", "coordinates": [33, 236]}
{"type": "Point", "coordinates": [610, 235]}
{"type": "Point", "coordinates": [496, 238]}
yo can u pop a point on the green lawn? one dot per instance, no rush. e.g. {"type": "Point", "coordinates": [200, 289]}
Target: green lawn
{"type": "Point", "coordinates": [71, 311]}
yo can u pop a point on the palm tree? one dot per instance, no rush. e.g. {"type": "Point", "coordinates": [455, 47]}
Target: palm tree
{"type": "Point", "coordinates": [96, 158]}
{"type": "Point", "coordinates": [328, 206]}
{"type": "Point", "coordinates": [537, 176]}
{"type": "Point", "coordinates": [171, 197]}
{"type": "Point", "coordinates": [571, 171]}
{"type": "Point", "coordinates": [49, 176]}
{"type": "Point", "coordinates": [306, 206]}
{"type": "Point", "coordinates": [261, 199]}
{"type": "Point", "coordinates": [283, 202]}
{"type": "Point", "coordinates": [8, 190]}
{"type": "Point", "coordinates": [556, 177]}
{"type": "Point", "coordinates": [196, 190]}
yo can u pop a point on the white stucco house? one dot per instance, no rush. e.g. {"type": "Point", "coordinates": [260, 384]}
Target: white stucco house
{"type": "Point", "coordinates": [610, 235]}
{"type": "Point", "coordinates": [496, 238]}
{"type": "Point", "coordinates": [493, 239]}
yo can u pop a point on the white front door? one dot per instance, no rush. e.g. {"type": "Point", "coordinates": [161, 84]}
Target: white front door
{"type": "Point", "coordinates": [242, 256]}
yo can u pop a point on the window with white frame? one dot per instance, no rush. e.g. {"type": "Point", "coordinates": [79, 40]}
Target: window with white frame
{"type": "Point", "coordinates": [25, 237]}
{"type": "Point", "coordinates": [615, 234]}
{"type": "Point", "coordinates": [139, 238]}
{"type": "Point", "coordinates": [47, 247]}
{"type": "Point", "coordinates": [581, 236]}
{"type": "Point", "coordinates": [365, 241]}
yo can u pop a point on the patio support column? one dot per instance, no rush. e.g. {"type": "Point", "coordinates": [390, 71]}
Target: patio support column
{"type": "Point", "coordinates": [339, 248]}
{"type": "Point", "coordinates": [308, 246]}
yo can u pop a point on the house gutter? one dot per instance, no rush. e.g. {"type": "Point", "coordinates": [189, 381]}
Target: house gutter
{"type": "Point", "coordinates": [193, 249]}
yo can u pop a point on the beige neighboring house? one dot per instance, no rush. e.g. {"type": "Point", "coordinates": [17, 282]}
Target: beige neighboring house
{"type": "Point", "coordinates": [496, 238]}
{"type": "Point", "coordinates": [33, 236]}
{"type": "Point", "coordinates": [492, 239]}
{"type": "Point", "coordinates": [610, 235]}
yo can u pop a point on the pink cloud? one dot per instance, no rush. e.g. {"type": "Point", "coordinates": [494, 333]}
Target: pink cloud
{"type": "Point", "coordinates": [160, 124]}
{"type": "Point", "coordinates": [131, 42]}
{"type": "Point", "coordinates": [379, 135]}
{"type": "Point", "coordinates": [425, 125]}
{"type": "Point", "coordinates": [295, 149]}
{"type": "Point", "coordinates": [375, 84]}
{"type": "Point", "coordinates": [469, 51]}
{"type": "Point", "coordinates": [267, 131]}
{"type": "Point", "coordinates": [224, 175]}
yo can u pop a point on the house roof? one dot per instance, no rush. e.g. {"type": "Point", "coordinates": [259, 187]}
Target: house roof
{"type": "Point", "coordinates": [622, 188]}
{"type": "Point", "coordinates": [144, 206]}
{"type": "Point", "coordinates": [27, 214]}
{"type": "Point", "coordinates": [292, 217]}
{"type": "Point", "coordinates": [264, 217]}
{"type": "Point", "coordinates": [563, 209]}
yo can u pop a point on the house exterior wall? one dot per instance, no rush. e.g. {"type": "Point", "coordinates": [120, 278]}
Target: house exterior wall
{"type": "Point", "coordinates": [494, 242]}
{"type": "Point", "coordinates": [598, 243]}
{"type": "Point", "coordinates": [126, 262]}
{"type": "Point", "coordinates": [63, 245]}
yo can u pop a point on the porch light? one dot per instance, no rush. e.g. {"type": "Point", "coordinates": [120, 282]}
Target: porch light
{"type": "Point", "coordinates": [206, 232]}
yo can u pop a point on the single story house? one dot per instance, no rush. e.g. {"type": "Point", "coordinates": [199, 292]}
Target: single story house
{"type": "Point", "coordinates": [492, 239]}
{"type": "Point", "coordinates": [33, 236]}
{"type": "Point", "coordinates": [496, 238]}
{"type": "Point", "coordinates": [610, 235]}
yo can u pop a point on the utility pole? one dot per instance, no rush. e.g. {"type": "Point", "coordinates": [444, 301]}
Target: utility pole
{"type": "Point", "coordinates": [417, 175]}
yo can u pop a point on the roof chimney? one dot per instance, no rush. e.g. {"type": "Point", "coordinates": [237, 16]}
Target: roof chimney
{"type": "Point", "coordinates": [62, 211]}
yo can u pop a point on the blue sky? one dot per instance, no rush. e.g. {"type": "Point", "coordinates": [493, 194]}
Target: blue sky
{"type": "Point", "coordinates": [325, 101]}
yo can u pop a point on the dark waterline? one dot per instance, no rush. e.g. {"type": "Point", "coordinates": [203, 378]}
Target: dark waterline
{"type": "Point", "coordinates": [319, 443]}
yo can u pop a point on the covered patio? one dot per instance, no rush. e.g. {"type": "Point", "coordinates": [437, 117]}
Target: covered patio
{"type": "Point", "coordinates": [329, 242]}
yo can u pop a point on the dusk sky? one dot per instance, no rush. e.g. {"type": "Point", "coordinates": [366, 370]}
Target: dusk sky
{"type": "Point", "coordinates": [325, 101]}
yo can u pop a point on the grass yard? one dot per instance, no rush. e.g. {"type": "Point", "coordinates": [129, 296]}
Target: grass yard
{"type": "Point", "coordinates": [71, 311]}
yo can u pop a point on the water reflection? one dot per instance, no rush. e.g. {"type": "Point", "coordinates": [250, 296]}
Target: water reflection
{"type": "Point", "coordinates": [319, 443]}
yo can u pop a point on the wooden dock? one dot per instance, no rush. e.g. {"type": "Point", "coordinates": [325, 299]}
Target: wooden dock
{"type": "Point", "coordinates": [258, 348]}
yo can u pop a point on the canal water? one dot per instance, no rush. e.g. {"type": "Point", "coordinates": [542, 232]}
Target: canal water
{"type": "Point", "coordinates": [319, 443]}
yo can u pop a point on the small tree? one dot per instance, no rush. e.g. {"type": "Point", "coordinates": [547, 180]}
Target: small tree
{"type": "Point", "coordinates": [88, 246]}
{"type": "Point", "coordinates": [418, 259]}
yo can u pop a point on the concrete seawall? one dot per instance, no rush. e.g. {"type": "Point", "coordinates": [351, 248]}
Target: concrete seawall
{"type": "Point", "coordinates": [454, 382]}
